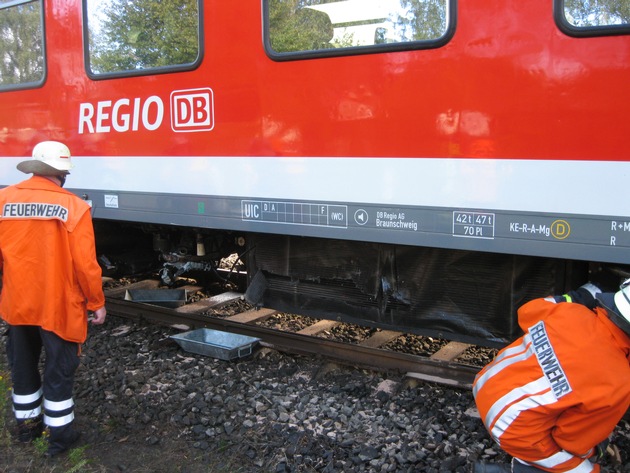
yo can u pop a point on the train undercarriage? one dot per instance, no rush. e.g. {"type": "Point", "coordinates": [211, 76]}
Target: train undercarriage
{"type": "Point", "coordinates": [452, 294]}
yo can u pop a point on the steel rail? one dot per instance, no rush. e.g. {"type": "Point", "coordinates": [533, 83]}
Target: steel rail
{"type": "Point", "coordinates": [438, 371]}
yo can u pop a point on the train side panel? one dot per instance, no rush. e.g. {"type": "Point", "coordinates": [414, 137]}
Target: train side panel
{"type": "Point", "coordinates": [486, 158]}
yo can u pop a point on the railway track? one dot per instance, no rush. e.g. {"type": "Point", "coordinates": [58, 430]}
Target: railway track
{"type": "Point", "coordinates": [439, 368]}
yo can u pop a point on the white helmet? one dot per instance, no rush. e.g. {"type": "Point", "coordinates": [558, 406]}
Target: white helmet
{"type": "Point", "coordinates": [617, 305]}
{"type": "Point", "coordinates": [622, 302]}
{"type": "Point", "coordinates": [50, 158]}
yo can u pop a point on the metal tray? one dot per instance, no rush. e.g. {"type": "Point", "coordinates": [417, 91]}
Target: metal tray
{"type": "Point", "coordinates": [171, 298]}
{"type": "Point", "coordinates": [217, 344]}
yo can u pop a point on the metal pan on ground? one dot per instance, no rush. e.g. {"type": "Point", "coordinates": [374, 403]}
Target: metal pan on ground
{"type": "Point", "coordinates": [217, 344]}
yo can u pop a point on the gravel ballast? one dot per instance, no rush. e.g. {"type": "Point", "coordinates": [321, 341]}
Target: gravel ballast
{"type": "Point", "coordinates": [144, 404]}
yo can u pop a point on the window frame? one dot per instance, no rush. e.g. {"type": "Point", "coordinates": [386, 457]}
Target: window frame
{"type": "Point", "coordinates": [584, 31]}
{"type": "Point", "coordinates": [42, 21]}
{"type": "Point", "coordinates": [359, 50]}
{"type": "Point", "coordinates": [140, 72]}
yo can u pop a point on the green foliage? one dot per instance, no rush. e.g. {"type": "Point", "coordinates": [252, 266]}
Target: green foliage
{"type": "Point", "coordinates": [41, 444]}
{"type": "Point", "coordinates": [126, 36]}
{"type": "Point", "coordinates": [76, 458]}
{"type": "Point", "coordinates": [426, 19]}
{"type": "Point", "coordinates": [295, 27]}
{"type": "Point", "coordinates": [597, 13]}
{"type": "Point", "coordinates": [21, 54]}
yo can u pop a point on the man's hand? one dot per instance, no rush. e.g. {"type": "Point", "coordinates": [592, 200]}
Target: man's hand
{"type": "Point", "coordinates": [99, 316]}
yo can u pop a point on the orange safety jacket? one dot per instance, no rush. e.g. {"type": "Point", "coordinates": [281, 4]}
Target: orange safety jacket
{"type": "Point", "coordinates": [551, 396]}
{"type": "Point", "coordinates": [51, 277]}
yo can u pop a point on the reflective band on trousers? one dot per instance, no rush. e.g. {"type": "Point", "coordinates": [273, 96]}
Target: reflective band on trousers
{"type": "Point", "coordinates": [58, 421]}
{"type": "Point", "coordinates": [27, 414]}
{"type": "Point", "coordinates": [585, 467]}
{"type": "Point", "coordinates": [27, 398]}
{"type": "Point", "coordinates": [58, 405]}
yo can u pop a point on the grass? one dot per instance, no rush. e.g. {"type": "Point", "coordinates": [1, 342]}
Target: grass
{"type": "Point", "coordinates": [5, 394]}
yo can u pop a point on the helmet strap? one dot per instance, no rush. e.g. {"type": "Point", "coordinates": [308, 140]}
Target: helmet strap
{"type": "Point", "coordinates": [62, 179]}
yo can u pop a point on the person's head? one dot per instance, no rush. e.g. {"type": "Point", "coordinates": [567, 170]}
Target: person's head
{"type": "Point", "coordinates": [50, 159]}
{"type": "Point", "coordinates": [618, 306]}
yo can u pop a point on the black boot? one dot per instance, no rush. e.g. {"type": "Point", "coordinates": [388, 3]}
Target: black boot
{"type": "Point", "coordinates": [29, 429]}
{"type": "Point", "coordinates": [61, 439]}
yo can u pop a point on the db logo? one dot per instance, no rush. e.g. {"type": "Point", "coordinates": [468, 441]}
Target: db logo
{"type": "Point", "coordinates": [192, 110]}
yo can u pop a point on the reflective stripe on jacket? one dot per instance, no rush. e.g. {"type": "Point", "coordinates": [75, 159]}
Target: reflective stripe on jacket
{"type": "Point", "coordinates": [48, 258]}
{"type": "Point", "coordinates": [551, 396]}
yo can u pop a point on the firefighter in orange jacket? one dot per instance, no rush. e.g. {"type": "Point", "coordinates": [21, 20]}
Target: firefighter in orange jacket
{"type": "Point", "coordinates": [50, 280]}
{"type": "Point", "coordinates": [554, 395]}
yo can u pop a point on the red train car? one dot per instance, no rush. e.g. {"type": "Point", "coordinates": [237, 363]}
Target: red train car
{"type": "Point", "coordinates": [425, 165]}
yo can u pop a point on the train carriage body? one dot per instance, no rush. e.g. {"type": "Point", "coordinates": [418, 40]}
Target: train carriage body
{"type": "Point", "coordinates": [420, 165]}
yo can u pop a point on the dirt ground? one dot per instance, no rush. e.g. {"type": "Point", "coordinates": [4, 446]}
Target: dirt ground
{"type": "Point", "coordinates": [101, 450]}
{"type": "Point", "coordinates": [109, 447]}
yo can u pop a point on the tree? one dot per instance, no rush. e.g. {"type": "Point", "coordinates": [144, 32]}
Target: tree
{"type": "Point", "coordinates": [292, 27]}
{"type": "Point", "coordinates": [295, 27]}
{"type": "Point", "coordinates": [597, 12]}
{"type": "Point", "coordinates": [144, 34]}
{"type": "Point", "coordinates": [21, 52]}
{"type": "Point", "coordinates": [427, 18]}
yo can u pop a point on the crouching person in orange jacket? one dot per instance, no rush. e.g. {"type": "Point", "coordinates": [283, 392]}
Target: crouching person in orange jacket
{"type": "Point", "coordinates": [551, 397]}
{"type": "Point", "coordinates": [50, 280]}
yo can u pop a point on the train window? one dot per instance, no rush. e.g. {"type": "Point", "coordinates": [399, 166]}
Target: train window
{"type": "Point", "coordinates": [297, 29]}
{"type": "Point", "coordinates": [593, 18]}
{"type": "Point", "coordinates": [141, 37]}
{"type": "Point", "coordinates": [21, 44]}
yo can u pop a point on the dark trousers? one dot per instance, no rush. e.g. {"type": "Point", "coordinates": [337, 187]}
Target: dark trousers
{"type": "Point", "coordinates": [518, 467]}
{"type": "Point", "coordinates": [24, 350]}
